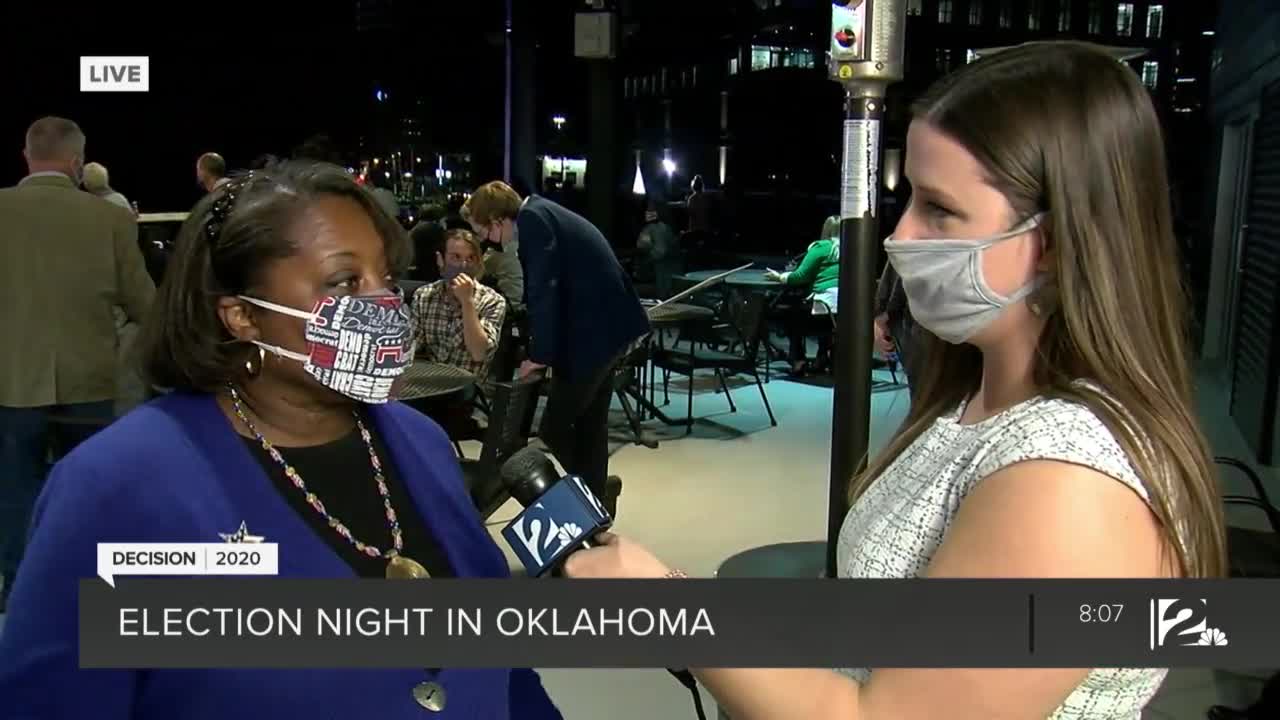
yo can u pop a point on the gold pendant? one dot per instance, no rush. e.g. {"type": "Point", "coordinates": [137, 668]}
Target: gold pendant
{"type": "Point", "coordinates": [403, 568]}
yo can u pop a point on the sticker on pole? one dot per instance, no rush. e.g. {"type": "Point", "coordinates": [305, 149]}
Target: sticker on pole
{"type": "Point", "coordinates": [153, 559]}
{"type": "Point", "coordinates": [859, 176]}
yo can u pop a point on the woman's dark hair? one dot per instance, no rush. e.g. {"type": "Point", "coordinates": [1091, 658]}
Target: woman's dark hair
{"type": "Point", "coordinates": [184, 345]}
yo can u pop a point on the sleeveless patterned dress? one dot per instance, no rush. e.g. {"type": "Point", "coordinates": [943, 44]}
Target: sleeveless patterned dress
{"type": "Point", "coordinates": [896, 527]}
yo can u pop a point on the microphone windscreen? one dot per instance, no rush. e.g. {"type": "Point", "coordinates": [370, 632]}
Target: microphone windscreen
{"type": "Point", "coordinates": [527, 474]}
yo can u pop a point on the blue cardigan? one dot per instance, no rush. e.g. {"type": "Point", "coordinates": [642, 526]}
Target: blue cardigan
{"type": "Point", "coordinates": [174, 470]}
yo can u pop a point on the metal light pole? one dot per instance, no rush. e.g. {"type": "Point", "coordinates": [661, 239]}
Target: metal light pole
{"type": "Point", "coordinates": [867, 43]}
{"type": "Point", "coordinates": [507, 116]}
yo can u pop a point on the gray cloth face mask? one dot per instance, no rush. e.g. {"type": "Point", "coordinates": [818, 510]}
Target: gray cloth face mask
{"type": "Point", "coordinates": [946, 292]}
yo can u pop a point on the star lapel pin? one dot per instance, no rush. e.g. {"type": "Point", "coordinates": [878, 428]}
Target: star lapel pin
{"type": "Point", "coordinates": [241, 536]}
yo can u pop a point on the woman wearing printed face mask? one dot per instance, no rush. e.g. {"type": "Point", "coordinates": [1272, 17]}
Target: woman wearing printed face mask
{"type": "Point", "coordinates": [1052, 432]}
{"type": "Point", "coordinates": [276, 277]}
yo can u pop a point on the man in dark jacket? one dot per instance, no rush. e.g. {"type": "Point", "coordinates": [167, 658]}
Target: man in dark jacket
{"type": "Point", "coordinates": [583, 314]}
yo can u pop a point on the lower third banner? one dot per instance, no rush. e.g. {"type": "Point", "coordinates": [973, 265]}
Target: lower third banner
{"type": "Point", "coordinates": [290, 623]}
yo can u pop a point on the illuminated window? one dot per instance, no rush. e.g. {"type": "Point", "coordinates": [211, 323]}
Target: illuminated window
{"type": "Point", "coordinates": [943, 59]}
{"type": "Point", "coordinates": [798, 59]}
{"type": "Point", "coordinates": [915, 7]}
{"type": "Point", "coordinates": [760, 57]}
{"type": "Point", "coordinates": [733, 66]}
{"type": "Point", "coordinates": [1033, 14]}
{"type": "Point", "coordinates": [1150, 73]}
{"type": "Point", "coordinates": [1095, 17]}
{"type": "Point", "coordinates": [944, 11]}
{"type": "Point", "coordinates": [1064, 15]}
{"type": "Point", "coordinates": [1124, 19]}
{"type": "Point", "coordinates": [1006, 14]}
{"type": "Point", "coordinates": [975, 12]}
{"type": "Point", "coordinates": [1155, 20]}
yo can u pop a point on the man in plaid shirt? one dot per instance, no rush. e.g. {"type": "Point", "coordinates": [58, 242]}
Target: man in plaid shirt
{"type": "Point", "coordinates": [459, 319]}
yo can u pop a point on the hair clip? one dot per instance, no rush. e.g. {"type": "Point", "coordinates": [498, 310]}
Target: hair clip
{"type": "Point", "coordinates": [225, 203]}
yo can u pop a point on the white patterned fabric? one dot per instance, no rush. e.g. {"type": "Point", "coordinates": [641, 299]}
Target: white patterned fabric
{"type": "Point", "coordinates": [896, 527]}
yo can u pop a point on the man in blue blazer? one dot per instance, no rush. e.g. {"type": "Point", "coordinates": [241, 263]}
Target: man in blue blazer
{"type": "Point", "coordinates": [583, 316]}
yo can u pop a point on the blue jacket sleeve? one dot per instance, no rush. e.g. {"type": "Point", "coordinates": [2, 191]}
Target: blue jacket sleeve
{"type": "Point", "coordinates": [529, 699]}
{"type": "Point", "coordinates": [40, 676]}
{"type": "Point", "coordinates": [541, 253]}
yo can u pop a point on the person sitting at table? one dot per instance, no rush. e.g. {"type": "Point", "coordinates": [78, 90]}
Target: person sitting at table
{"type": "Point", "coordinates": [459, 323]}
{"type": "Point", "coordinates": [819, 271]}
{"type": "Point", "coordinates": [264, 439]}
{"type": "Point", "coordinates": [459, 319]}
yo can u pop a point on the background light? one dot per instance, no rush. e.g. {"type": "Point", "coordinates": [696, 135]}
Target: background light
{"type": "Point", "coordinates": [892, 168]}
{"type": "Point", "coordinates": [669, 165]}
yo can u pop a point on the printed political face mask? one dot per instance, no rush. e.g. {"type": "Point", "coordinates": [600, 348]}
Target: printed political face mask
{"type": "Point", "coordinates": [357, 344]}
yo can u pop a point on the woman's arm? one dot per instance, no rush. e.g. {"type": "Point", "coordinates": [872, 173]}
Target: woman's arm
{"type": "Point", "coordinates": [804, 275]}
{"type": "Point", "coordinates": [40, 675]}
{"type": "Point", "coordinates": [1034, 519]}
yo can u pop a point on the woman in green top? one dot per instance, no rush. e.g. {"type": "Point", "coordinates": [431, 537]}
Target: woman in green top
{"type": "Point", "coordinates": [819, 271]}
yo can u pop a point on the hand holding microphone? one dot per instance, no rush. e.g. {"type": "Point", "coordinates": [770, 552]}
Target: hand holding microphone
{"type": "Point", "coordinates": [565, 525]}
{"type": "Point", "coordinates": [615, 558]}
{"type": "Point", "coordinates": [560, 514]}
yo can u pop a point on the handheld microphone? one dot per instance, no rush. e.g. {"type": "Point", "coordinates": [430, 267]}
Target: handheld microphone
{"type": "Point", "coordinates": [560, 515]}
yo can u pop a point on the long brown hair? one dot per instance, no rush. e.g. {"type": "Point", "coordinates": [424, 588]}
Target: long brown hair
{"type": "Point", "coordinates": [1064, 128]}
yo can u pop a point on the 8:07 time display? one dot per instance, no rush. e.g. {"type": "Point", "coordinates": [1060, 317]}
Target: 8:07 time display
{"type": "Point", "coordinates": [1101, 612]}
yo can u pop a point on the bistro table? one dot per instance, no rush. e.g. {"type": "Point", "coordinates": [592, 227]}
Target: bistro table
{"type": "Point", "coordinates": [754, 279]}
{"type": "Point", "coordinates": [745, 281]}
{"type": "Point", "coordinates": [676, 314]}
{"type": "Point", "coordinates": [425, 379]}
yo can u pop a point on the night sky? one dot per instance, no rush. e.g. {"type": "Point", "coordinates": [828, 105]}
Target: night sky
{"type": "Point", "coordinates": [242, 79]}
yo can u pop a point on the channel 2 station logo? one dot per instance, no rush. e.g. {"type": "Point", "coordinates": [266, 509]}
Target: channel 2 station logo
{"type": "Point", "coordinates": [1183, 623]}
